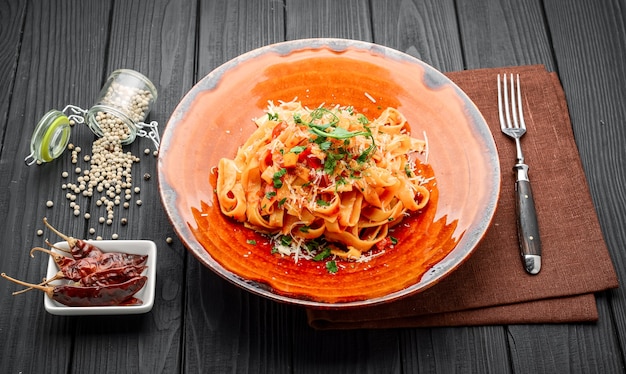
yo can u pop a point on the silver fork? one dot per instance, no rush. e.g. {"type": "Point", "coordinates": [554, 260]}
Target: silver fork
{"type": "Point", "coordinates": [512, 124]}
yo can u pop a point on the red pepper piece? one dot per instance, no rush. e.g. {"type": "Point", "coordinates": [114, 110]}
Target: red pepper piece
{"type": "Point", "coordinates": [108, 295]}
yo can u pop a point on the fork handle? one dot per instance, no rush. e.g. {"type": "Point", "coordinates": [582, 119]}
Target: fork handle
{"type": "Point", "coordinates": [528, 228]}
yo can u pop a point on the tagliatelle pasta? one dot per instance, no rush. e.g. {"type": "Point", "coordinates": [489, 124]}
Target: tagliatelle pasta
{"type": "Point", "coordinates": [324, 175]}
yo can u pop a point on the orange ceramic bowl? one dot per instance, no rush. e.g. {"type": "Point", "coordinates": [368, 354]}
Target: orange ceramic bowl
{"type": "Point", "coordinates": [215, 118]}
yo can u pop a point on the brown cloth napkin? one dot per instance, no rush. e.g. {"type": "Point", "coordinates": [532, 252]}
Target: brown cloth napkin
{"type": "Point", "coordinates": [492, 287]}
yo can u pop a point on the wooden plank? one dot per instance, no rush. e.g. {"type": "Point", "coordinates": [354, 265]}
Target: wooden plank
{"type": "Point", "coordinates": [230, 28]}
{"type": "Point", "coordinates": [155, 38]}
{"type": "Point", "coordinates": [427, 30]}
{"type": "Point", "coordinates": [462, 349]}
{"type": "Point", "coordinates": [504, 33]}
{"type": "Point", "coordinates": [12, 15]}
{"type": "Point", "coordinates": [355, 351]}
{"type": "Point", "coordinates": [590, 51]}
{"type": "Point", "coordinates": [228, 329]}
{"type": "Point", "coordinates": [47, 76]}
{"type": "Point", "coordinates": [349, 19]}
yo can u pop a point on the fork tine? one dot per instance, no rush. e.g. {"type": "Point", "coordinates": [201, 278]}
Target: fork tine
{"type": "Point", "coordinates": [519, 104]}
{"type": "Point", "coordinates": [500, 111]}
{"type": "Point", "coordinates": [506, 104]}
{"type": "Point", "coordinates": [513, 106]}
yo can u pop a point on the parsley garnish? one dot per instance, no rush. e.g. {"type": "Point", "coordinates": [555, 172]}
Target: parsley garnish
{"type": "Point", "coordinates": [298, 149]}
{"type": "Point", "coordinates": [322, 255]}
{"type": "Point", "coordinates": [286, 240]}
{"type": "Point", "coordinates": [407, 170]}
{"type": "Point", "coordinates": [331, 266]}
{"type": "Point", "coordinates": [272, 116]}
{"type": "Point", "coordinates": [322, 202]}
{"type": "Point", "coordinates": [278, 183]}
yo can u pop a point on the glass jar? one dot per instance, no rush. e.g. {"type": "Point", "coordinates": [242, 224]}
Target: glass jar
{"type": "Point", "coordinates": [124, 101]}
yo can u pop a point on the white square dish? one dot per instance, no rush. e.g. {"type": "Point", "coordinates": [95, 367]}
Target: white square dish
{"type": "Point", "coordinates": [146, 294]}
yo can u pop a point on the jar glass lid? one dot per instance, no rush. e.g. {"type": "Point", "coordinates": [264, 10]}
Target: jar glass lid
{"type": "Point", "coordinates": [50, 138]}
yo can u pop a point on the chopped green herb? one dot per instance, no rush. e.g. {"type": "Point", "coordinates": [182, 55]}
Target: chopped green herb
{"type": "Point", "coordinates": [281, 202]}
{"type": "Point", "coordinates": [363, 120]}
{"type": "Point", "coordinates": [251, 241]}
{"type": "Point", "coordinates": [286, 240]}
{"type": "Point", "coordinates": [324, 144]}
{"type": "Point", "coordinates": [298, 149]}
{"type": "Point", "coordinates": [330, 163]}
{"type": "Point", "coordinates": [272, 116]}
{"type": "Point", "coordinates": [322, 202]}
{"type": "Point", "coordinates": [278, 183]}
{"type": "Point", "coordinates": [322, 255]}
{"type": "Point", "coordinates": [331, 266]}
{"type": "Point", "coordinates": [394, 240]}
{"type": "Point", "coordinates": [407, 170]}
{"type": "Point", "coordinates": [297, 118]}
{"type": "Point", "coordinates": [270, 194]}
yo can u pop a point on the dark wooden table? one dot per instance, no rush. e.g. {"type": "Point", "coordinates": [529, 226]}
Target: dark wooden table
{"type": "Point", "coordinates": [59, 52]}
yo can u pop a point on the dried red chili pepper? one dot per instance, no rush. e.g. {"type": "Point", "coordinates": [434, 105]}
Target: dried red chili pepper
{"type": "Point", "coordinates": [108, 295]}
{"type": "Point", "coordinates": [112, 259]}
{"type": "Point", "coordinates": [118, 259]}
{"type": "Point", "coordinates": [112, 276]}
{"type": "Point", "coordinates": [77, 270]}
{"type": "Point", "coordinates": [78, 248]}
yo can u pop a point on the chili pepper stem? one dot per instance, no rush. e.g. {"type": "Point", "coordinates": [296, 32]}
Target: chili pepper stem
{"type": "Point", "coordinates": [57, 248]}
{"type": "Point", "coordinates": [44, 282]}
{"type": "Point", "coordinates": [55, 256]}
{"type": "Point", "coordinates": [70, 241]}
{"type": "Point", "coordinates": [47, 289]}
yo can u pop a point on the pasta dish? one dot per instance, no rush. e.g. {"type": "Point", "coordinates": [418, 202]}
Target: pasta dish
{"type": "Point", "coordinates": [326, 181]}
